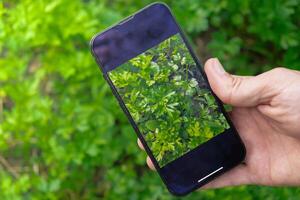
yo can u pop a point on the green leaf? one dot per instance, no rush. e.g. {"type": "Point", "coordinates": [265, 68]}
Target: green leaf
{"type": "Point", "coordinates": [152, 125]}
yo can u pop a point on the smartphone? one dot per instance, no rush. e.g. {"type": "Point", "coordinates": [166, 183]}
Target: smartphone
{"type": "Point", "coordinates": [162, 88]}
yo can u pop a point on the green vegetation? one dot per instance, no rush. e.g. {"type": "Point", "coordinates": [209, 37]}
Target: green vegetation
{"type": "Point", "coordinates": [62, 133]}
{"type": "Point", "coordinates": [161, 90]}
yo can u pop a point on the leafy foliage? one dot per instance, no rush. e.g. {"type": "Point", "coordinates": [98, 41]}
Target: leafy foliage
{"type": "Point", "coordinates": [62, 134]}
{"type": "Point", "coordinates": [169, 100]}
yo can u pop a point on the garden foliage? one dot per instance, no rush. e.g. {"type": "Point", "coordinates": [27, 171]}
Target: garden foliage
{"type": "Point", "coordinates": [62, 134]}
{"type": "Point", "coordinates": [169, 100]}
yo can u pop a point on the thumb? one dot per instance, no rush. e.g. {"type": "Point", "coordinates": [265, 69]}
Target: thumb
{"type": "Point", "coordinates": [236, 90]}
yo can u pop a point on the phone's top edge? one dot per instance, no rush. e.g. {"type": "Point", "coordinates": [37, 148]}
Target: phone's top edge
{"type": "Point", "coordinates": [115, 24]}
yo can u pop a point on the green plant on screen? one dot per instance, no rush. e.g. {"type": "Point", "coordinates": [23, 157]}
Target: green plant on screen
{"type": "Point", "coordinates": [169, 100]}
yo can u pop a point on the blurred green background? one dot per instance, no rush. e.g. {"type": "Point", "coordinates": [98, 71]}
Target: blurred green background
{"type": "Point", "coordinates": [63, 135]}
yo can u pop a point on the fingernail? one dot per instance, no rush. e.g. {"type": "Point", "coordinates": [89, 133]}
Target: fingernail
{"type": "Point", "coordinates": [218, 67]}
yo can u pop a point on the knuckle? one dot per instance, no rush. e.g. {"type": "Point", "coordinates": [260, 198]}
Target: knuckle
{"type": "Point", "coordinates": [236, 82]}
{"type": "Point", "coordinates": [279, 70]}
{"type": "Point", "coordinates": [233, 89]}
{"type": "Point", "coordinates": [224, 95]}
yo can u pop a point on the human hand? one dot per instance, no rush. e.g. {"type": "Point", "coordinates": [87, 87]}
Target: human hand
{"type": "Point", "coordinates": [266, 114]}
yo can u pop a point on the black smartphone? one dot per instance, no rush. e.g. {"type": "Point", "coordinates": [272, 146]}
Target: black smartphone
{"type": "Point", "coordinates": [161, 87]}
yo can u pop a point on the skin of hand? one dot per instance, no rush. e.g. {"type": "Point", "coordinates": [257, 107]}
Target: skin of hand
{"type": "Point", "coordinates": [266, 114]}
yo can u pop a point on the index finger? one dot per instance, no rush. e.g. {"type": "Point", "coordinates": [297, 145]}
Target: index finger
{"type": "Point", "coordinates": [140, 144]}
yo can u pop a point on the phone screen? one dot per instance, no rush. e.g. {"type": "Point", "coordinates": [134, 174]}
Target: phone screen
{"type": "Point", "coordinates": [162, 89]}
{"type": "Point", "coordinates": [169, 100]}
